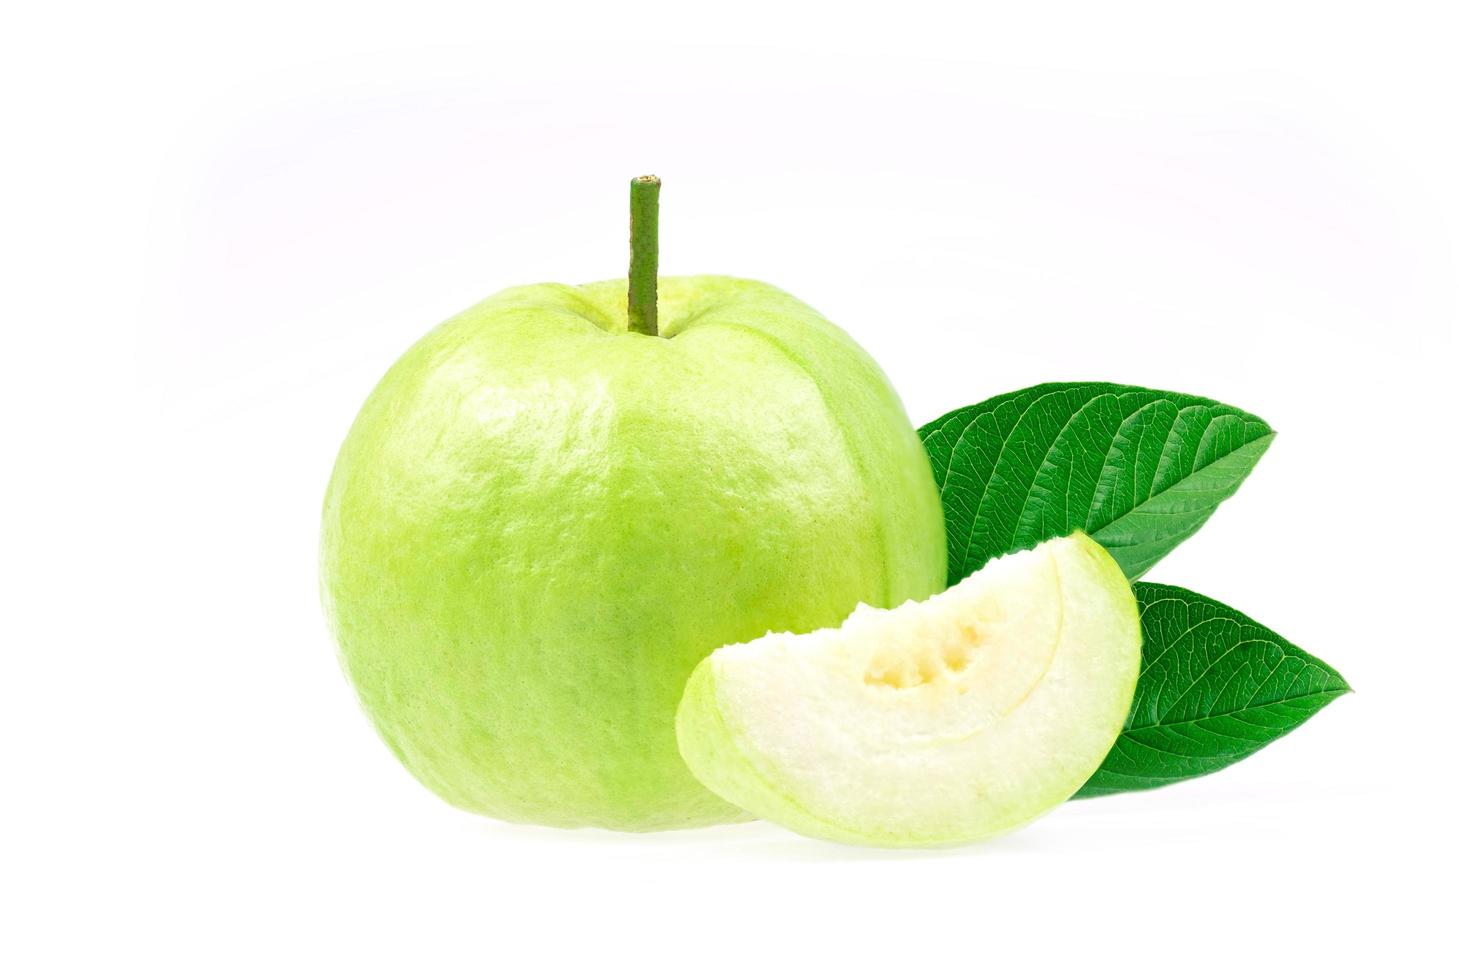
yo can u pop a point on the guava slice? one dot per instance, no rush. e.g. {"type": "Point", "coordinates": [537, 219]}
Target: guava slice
{"type": "Point", "coordinates": [939, 722]}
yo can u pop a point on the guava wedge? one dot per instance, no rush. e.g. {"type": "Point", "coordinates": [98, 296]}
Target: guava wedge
{"type": "Point", "coordinates": [938, 722]}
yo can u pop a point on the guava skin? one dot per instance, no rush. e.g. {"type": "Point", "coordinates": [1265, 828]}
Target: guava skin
{"type": "Point", "coordinates": [540, 522]}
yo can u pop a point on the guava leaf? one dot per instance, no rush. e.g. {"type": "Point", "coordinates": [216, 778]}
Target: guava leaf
{"type": "Point", "coordinates": [1214, 687]}
{"type": "Point", "coordinates": [1139, 470]}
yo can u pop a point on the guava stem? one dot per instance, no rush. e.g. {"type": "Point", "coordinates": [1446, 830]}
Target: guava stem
{"type": "Point", "coordinates": [643, 255]}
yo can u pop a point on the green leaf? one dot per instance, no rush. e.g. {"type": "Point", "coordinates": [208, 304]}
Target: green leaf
{"type": "Point", "coordinates": [1139, 470]}
{"type": "Point", "coordinates": [1215, 687]}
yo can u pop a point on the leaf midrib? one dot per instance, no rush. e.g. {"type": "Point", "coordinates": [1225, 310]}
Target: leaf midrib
{"type": "Point", "coordinates": [1175, 487]}
{"type": "Point", "coordinates": [1335, 692]}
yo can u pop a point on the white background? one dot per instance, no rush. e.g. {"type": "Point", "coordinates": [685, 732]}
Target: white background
{"type": "Point", "coordinates": [222, 224]}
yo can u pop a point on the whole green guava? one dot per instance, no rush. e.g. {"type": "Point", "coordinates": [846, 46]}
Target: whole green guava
{"type": "Point", "coordinates": [541, 522]}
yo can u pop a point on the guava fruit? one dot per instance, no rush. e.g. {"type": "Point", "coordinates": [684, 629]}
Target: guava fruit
{"type": "Point", "coordinates": [543, 519]}
{"type": "Point", "coordinates": [938, 722]}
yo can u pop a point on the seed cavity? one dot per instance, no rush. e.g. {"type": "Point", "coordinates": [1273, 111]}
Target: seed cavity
{"type": "Point", "coordinates": [901, 670]}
